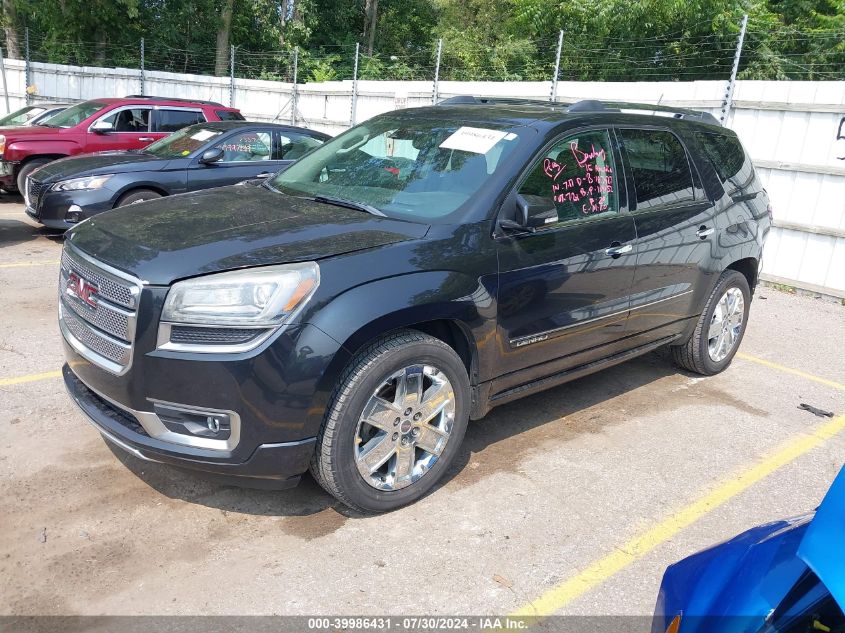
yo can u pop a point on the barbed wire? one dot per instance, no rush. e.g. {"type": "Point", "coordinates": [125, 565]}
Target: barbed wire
{"type": "Point", "coordinates": [780, 52]}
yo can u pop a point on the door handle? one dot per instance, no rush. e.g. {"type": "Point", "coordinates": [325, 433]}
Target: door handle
{"type": "Point", "coordinates": [616, 250]}
{"type": "Point", "coordinates": [703, 231]}
{"type": "Point", "coordinates": [146, 138]}
{"type": "Point", "coordinates": [264, 174]}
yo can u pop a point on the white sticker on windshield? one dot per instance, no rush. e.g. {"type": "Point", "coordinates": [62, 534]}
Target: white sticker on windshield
{"type": "Point", "coordinates": [473, 139]}
{"type": "Point", "coordinates": [204, 135]}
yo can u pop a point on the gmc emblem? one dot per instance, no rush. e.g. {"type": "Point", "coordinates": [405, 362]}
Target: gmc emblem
{"type": "Point", "coordinates": [82, 290]}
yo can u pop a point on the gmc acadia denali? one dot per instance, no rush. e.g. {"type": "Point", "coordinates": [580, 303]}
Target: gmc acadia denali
{"type": "Point", "coordinates": [350, 314]}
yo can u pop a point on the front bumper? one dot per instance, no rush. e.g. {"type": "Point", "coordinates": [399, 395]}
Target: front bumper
{"type": "Point", "coordinates": [7, 174]}
{"type": "Point", "coordinates": [52, 207]}
{"type": "Point", "coordinates": [271, 466]}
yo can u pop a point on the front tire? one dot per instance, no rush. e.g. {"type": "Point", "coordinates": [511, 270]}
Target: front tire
{"type": "Point", "coordinates": [139, 195]}
{"type": "Point", "coordinates": [394, 424]}
{"type": "Point", "coordinates": [26, 170]}
{"type": "Point", "coordinates": [720, 328]}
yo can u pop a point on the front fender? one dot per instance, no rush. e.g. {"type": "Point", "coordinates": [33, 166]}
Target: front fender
{"type": "Point", "coordinates": [21, 150]}
{"type": "Point", "coordinates": [365, 312]}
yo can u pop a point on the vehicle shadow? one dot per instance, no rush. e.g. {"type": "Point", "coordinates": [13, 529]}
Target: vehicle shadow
{"type": "Point", "coordinates": [16, 228]}
{"type": "Point", "coordinates": [494, 444]}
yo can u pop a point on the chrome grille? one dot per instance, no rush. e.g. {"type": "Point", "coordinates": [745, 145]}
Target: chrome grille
{"type": "Point", "coordinates": [99, 324]}
{"type": "Point", "coordinates": [119, 292]}
{"type": "Point", "coordinates": [32, 192]}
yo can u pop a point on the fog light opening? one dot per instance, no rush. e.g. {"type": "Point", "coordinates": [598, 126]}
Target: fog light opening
{"type": "Point", "coordinates": [74, 214]}
{"type": "Point", "coordinates": [209, 424]}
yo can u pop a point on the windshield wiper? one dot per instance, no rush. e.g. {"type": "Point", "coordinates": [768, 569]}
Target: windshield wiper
{"type": "Point", "coordinates": [349, 204]}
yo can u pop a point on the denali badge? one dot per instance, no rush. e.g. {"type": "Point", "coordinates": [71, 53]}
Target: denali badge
{"type": "Point", "coordinates": [81, 289]}
{"type": "Point", "coordinates": [528, 341]}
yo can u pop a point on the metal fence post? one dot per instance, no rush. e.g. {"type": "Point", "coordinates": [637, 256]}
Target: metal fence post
{"type": "Point", "coordinates": [553, 96]}
{"type": "Point", "coordinates": [142, 66]}
{"type": "Point", "coordinates": [435, 94]}
{"type": "Point", "coordinates": [355, 85]}
{"type": "Point", "coordinates": [729, 90]}
{"type": "Point", "coordinates": [27, 68]}
{"type": "Point", "coordinates": [232, 76]}
{"type": "Point", "coordinates": [5, 88]}
{"type": "Point", "coordinates": [294, 89]}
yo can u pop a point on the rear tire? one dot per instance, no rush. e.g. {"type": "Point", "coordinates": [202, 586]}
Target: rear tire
{"type": "Point", "coordinates": [27, 169]}
{"type": "Point", "coordinates": [720, 327]}
{"type": "Point", "coordinates": [415, 391]}
{"type": "Point", "coordinates": [139, 195]}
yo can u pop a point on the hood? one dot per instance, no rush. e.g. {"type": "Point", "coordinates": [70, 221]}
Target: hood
{"type": "Point", "coordinates": [214, 230]}
{"type": "Point", "coordinates": [23, 132]}
{"type": "Point", "coordinates": [822, 547]}
{"type": "Point", "coordinates": [99, 163]}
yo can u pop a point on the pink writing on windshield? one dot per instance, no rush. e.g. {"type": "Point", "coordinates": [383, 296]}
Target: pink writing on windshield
{"type": "Point", "coordinates": [590, 183]}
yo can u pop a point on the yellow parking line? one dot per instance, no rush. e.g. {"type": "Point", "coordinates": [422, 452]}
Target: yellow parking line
{"type": "Point", "coordinates": [17, 380]}
{"type": "Point", "coordinates": [49, 262]}
{"type": "Point", "coordinates": [789, 370]}
{"type": "Point", "coordinates": [603, 569]}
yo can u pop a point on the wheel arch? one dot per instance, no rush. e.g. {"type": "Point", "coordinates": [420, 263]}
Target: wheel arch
{"type": "Point", "coordinates": [130, 189]}
{"type": "Point", "coordinates": [748, 266]}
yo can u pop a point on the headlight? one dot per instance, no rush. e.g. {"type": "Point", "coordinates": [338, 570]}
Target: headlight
{"type": "Point", "coordinates": [2, 144]}
{"type": "Point", "coordinates": [259, 297]}
{"type": "Point", "coordinates": [79, 184]}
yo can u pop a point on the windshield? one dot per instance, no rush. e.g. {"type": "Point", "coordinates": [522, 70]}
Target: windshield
{"type": "Point", "coordinates": [183, 142]}
{"type": "Point", "coordinates": [19, 117]}
{"type": "Point", "coordinates": [75, 115]}
{"type": "Point", "coordinates": [413, 168]}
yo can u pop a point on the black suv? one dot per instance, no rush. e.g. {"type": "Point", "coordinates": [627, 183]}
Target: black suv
{"type": "Point", "coordinates": [350, 314]}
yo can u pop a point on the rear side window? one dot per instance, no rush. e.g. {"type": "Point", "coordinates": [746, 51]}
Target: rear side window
{"type": "Point", "coordinates": [578, 174]}
{"type": "Point", "coordinates": [229, 115]}
{"type": "Point", "coordinates": [293, 146]}
{"type": "Point", "coordinates": [728, 158]}
{"type": "Point", "coordinates": [173, 120]}
{"type": "Point", "coordinates": [660, 168]}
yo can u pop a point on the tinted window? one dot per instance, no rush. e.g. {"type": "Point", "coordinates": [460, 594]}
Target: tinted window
{"type": "Point", "coordinates": [293, 146]}
{"type": "Point", "coordinates": [247, 146]}
{"type": "Point", "coordinates": [228, 115]}
{"type": "Point", "coordinates": [173, 120]}
{"type": "Point", "coordinates": [577, 175]}
{"type": "Point", "coordinates": [660, 168]}
{"type": "Point", "coordinates": [728, 159]}
{"type": "Point", "coordinates": [130, 120]}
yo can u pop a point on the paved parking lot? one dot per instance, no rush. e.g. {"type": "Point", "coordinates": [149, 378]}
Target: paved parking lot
{"type": "Point", "coordinates": [570, 501]}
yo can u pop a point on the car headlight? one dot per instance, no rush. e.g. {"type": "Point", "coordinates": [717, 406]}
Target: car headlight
{"type": "Point", "coordinates": [79, 184]}
{"type": "Point", "coordinates": [259, 297]}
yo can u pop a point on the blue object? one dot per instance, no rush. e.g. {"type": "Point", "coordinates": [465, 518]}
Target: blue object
{"type": "Point", "coordinates": [733, 587]}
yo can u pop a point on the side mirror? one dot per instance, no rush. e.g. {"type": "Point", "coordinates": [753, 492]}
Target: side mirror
{"type": "Point", "coordinates": [532, 213]}
{"type": "Point", "coordinates": [102, 127]}
{"type": "Point", "coordinates": [211, 155]}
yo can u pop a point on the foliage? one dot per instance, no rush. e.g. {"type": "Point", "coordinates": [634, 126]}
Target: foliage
{"type": "Point", "coordinates": [482, 39]}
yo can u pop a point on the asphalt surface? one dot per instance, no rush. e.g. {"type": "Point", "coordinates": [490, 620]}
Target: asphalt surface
{"type": "Point", "coordinates": [543, 489]}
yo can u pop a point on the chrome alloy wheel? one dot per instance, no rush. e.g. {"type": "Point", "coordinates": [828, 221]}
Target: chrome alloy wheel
{"type": "Point", "coordinates": [726, 324]}
{"type": "Point", "coordinates": [404, 427]}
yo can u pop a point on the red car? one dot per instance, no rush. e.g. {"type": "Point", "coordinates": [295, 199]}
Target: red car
{"type": "Point", "coordinates": [100, 124]}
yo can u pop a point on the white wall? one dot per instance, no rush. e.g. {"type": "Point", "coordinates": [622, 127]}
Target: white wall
{"type": "Point", "coordinates": [790, 128]}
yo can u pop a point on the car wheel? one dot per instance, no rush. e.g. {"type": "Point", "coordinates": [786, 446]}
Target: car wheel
{"type": "Point", "coordinates": [27, 169]}
{"type": "Point", "coordinates": [394, 424]}
{"type": "Point", "coordinates": [720, 328]}
{"type": "Point", "coordinates": [139, 195]}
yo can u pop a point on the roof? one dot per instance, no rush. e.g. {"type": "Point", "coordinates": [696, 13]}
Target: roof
{"type": "Point", "coordinates": [232, 125]}
{"type": "Point", "coordinates": [555, 112]}
{"type": "Point", "coordinates": [152, 100]}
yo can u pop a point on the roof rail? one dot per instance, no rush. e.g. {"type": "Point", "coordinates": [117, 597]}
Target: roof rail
{"type": "Point", "coordinates": [179, 99]}
{"type": "Point", "coordinates": [472, 100]}
{"type": "Point", "coordinates": [593, 105]}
